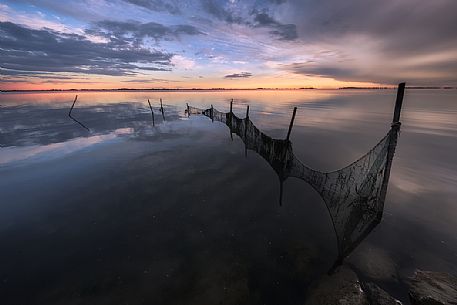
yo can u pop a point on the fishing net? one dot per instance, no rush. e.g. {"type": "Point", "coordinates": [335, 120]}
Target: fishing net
{"type": "Point", "coordinates": [354, 195]}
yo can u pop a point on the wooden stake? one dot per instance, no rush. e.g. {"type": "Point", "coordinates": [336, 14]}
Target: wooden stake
{"type": "Point", "coordinates": [291, 123]}
{"type": "Point", "coordinates": [247, 112]}
{"type": "Point", "coordinates": [212, 113]}
{"type": "Point", "coordinates": [399, 102]}
{"type": "Point", "coordinates": [71, 109]}
{"type": "Point", "coordinates": [152, 113]}
{"type": "Point", "coordinates": [231, 106]}
{"type": "Point", "coordinates": [188, 112]}
{"type": "Point", "coordinates": [69, 114]}
{"type": "Point", "coordinates": [161, 110]}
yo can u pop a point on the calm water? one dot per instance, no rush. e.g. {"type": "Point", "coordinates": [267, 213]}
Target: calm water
{"type": "Point", "coordinates": [128, 213]}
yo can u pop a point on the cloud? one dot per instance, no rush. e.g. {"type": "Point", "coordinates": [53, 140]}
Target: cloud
{"type": "Point", "coordinates": [221, 11]}
{"type": "Point", "coordinates": [132, 32]}
{"type": "Point", "coordinates": [156, 5]}
{"type": "Point", "coordinates": [283, 31]}
{"type": "Point", "coordinates": [30, 50]}
{"type": "Point", "coordinates": [182, 62]}
{"type": "Point", "coordinates": [249, 15]}
{"type": "Point", "coordinates": [79, 9]}
{"type": "Point", "coordinates": [239, 75]}
{"type": "Point", "coordinates": [148, 80]}
{"type": "Point", "coordinates": [421, 74]}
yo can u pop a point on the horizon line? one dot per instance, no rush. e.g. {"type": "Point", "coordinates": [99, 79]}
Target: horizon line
{"type": "Point", "coordinates": [226, 89]}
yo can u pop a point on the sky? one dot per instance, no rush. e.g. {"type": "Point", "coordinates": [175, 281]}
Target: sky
{"type": "Point", "coordinates": [51, 44]}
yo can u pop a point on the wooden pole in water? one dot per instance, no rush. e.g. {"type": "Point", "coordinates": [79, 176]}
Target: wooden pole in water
{"type": "Point", "coordinates": [291, 123]}
{"type": "Point", "coordinates": [188, 112]}
{"type": "Point", "coordinates": [69, 113]}
{"type": "Point", "coordinates": [161, 110]}
{"type": "Point", "coordinates": [247, 112]}
{"type": "Point", "coordinates": [152, 113]}
{"type": "Point", "coordinates": [231, 106]}
{"type": "Point", "coordinates": [212, 112]}
{"type": "Point", "coordinates": [399, 102]}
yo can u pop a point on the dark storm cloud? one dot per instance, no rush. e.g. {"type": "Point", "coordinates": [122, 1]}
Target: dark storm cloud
{"type": "Point", "coordinates": [156, 5]}
{"type": "Point", "coordinates": [45, 50]}
{"type": "Point", "coordinates": [239, 75]}
{"type": "Point", "coordinates": [132, 32]}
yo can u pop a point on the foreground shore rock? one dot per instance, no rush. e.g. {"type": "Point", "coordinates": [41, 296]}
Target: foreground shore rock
{"type": "Point", "coordinates": [433, 288]}
{"type": "Point", "coordinates": [344, 288]}
{"type": "Point", "coordinates": [377, 296]}
{"type": "Point", "coordinates": [341, 288]}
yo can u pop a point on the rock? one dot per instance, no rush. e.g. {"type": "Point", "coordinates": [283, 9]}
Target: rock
{"type": "Point", "coordinates": [433, 288]}
{"type": "Point", "coordinates": [375, 263]}
{"type": "Point", "coordinates": [377, 296]}
{"type": "Point", "coordinates": [341, 288]}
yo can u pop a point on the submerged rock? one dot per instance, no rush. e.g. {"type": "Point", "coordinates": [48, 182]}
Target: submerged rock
{"type": "Point", "coordinates": [433, 288]}
{"type": "Point", "coordinates": [340, 288]}
{"type": "Point", "coordinates": [377, 296]}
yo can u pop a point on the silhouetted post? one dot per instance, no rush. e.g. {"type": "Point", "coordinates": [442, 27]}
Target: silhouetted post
{"type": "Point", "coordinates": [212, 113]}
{"type": "Point", "coordinates": [231, 106]}
{"type": "Point", "coordinates": [152, 113]}
{"type": "Point", "coordinates": [247, 113]}
{"type": "Point", "coordinates": [291, 123]}
{"type": "Point", "coordinates": [161, 110]}
{"type": "Point", "coordinates": [71, 109]}
{"type": "Point", "coordinates": [69, 114]}
{"type": "Point", "coordinates": [188, 112]}
{"type": "Point", "coordinates": [399, 102]}
{"type": "Point", "coordinates": [393, 137]}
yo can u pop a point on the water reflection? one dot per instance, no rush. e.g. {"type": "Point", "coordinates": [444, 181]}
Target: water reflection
{"type": "Point", "coordinates": [354, 195]}
{"type": "Point", "coordinates": [26, 125]}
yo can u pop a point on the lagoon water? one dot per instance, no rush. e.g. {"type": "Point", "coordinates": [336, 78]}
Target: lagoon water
{"type": "Point", "coordinates": [128, 213]}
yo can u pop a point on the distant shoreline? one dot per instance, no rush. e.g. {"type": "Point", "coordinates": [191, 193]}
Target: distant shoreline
{"type": "Point", "coordinates": [222, 89]}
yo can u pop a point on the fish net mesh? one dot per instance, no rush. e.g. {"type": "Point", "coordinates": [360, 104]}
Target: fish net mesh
{"type": "Point", "coordinates": [354, 195]}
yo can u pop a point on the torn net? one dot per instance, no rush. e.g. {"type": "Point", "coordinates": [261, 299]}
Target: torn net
{"type": "Point", "coordinates": [354, 195]}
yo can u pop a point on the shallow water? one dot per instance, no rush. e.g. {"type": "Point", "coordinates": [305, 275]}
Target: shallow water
{"type": "Point", "coordinates": [131, 213]}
